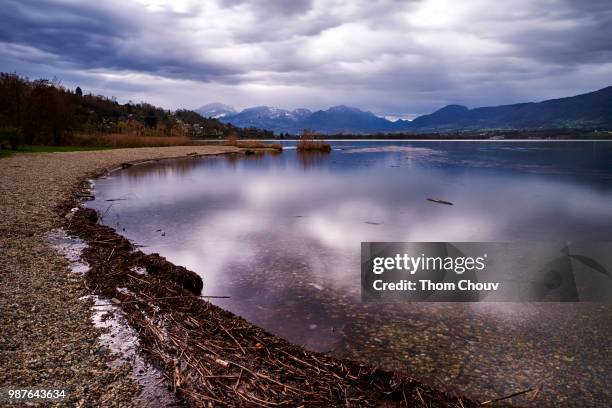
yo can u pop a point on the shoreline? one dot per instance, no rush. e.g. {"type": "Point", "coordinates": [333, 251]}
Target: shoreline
{"type": "Point", "coordinates": [440, 139]}
{"type": "Point", "coordinates": [48, 338]}
{"type": "Point", "coordinates": [213, 363]}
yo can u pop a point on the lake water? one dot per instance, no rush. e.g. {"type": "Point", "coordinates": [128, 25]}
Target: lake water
{"type": "Point", "coordinates": [280, 234]}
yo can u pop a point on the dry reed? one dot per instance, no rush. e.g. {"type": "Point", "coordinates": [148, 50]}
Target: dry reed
{"type": "Point", "coordinates": [129, 140]}
{"type": "Point", "coordinates": [309, 143]}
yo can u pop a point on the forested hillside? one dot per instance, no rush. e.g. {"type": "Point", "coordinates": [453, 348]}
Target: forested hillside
{"type": "Point", "coordinates": [45, 112]}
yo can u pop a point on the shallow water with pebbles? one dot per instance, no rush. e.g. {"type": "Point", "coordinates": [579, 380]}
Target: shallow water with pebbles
{"type": "Point", "coordinates": [281, 236]}
{"type": "Point", "coordinates": [483, 350]}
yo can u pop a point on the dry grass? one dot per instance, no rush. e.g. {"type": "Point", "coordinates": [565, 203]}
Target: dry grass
{"type": "Point", "coordinates": [276, 146]}
{"type": "Point", "coordinates": [309, 143]}
{"type": "Point", "coordinates": [251, 144]}
{"type": "Point", "coordinates": [232, 140]}
{"type": "Point", "coordinates": [129, 140]}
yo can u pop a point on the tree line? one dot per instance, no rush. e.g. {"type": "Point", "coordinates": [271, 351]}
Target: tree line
{"type": "Point", "coordinates": [45, 112]}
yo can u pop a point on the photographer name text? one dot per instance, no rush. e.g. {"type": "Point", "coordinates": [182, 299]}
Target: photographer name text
{"type": "Point", "coordinates": [428, 285]}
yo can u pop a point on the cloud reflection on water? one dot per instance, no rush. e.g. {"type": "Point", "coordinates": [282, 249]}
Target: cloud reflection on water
{"type": "Point", "coordinates": [282, 238]}
{"type": "Point", "coordinates": [216, 210]}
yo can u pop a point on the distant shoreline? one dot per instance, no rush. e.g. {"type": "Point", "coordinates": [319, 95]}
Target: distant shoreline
{"type": "Point", "coordinates": [427, 140]}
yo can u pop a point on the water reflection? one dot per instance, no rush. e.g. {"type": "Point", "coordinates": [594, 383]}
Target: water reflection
{"type": "Point", "coordinates": [252, 155]}
{"type": "Point", "coordinates": [312, 158]}
{"type": "Point", "coordinates": [281, 236]}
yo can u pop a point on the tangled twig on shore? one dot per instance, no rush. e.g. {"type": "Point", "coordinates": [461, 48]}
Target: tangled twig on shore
{"type": "Point", "coordinates": [212, 357]}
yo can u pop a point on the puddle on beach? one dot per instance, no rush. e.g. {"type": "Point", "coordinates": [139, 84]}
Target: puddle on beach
{"type": "Point", "coordinates": [281, 236]}
{"type": "Point", "coordinates": [118, 336]}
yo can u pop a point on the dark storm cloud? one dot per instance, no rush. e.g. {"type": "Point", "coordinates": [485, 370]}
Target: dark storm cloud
{"type": "Point", "coordinates": [79, 33]}
{"type": "Point", "coordinates": [87, 36]}
{"type": "Point", "coordinates": [396, 57]}
{"type": "Point", "coordinates": [578, 33]}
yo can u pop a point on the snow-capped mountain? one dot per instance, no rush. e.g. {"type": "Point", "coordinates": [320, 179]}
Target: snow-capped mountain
{"type": "Point", "coordinates": [216, 110]}
{"type": "Point", "coordinates": [266, 117]}
{"type": "Point", "coordinates": [590, 111]}
{"type": "Point", "coordinates": [336, 119]}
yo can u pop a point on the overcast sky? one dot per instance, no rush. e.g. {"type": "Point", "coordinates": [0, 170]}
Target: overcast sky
{"type": "Point", "coordinates": [396, 58]}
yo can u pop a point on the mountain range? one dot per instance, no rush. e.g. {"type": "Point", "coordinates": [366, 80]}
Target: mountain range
{"type": "Point", "coordinates": [590, 110]}
{"type": "Point", "coordinates": [216, 110]}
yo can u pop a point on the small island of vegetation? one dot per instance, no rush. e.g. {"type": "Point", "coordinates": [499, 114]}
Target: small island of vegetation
{"type": "Point", "coordinates": [309, 142]}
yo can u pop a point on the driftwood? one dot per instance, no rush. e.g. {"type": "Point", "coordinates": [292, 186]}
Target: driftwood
{"type": "Point", "coordinates": [84, 196]}
{"type": "Point", "coordinates": [434, 200]}
{"type": "Point", "coordinates": [514, 394]}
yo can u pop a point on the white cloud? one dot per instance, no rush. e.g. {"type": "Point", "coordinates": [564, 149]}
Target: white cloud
{"type": "Point", "coordinates": [399, 58]}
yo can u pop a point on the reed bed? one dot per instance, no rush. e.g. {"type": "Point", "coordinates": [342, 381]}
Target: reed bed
{"type": "Point", "coordinates": [252, 144]}
{"type": "Point", "coordinates": [119, 140]}
{"type": "Point", "coordinates": [309, 143]}
{"type": "Point", "coordinates": [276, 146]}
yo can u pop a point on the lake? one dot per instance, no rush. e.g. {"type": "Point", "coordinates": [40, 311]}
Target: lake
{"type": "Point", "coordinates": [280, 234]}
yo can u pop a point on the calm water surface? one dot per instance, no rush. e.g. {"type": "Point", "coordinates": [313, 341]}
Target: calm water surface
{"type": "Point", "coordinates": [281, 235]}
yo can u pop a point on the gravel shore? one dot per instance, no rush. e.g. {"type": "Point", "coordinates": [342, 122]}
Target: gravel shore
{"type": "Point", "coordinates": [47, 338]}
